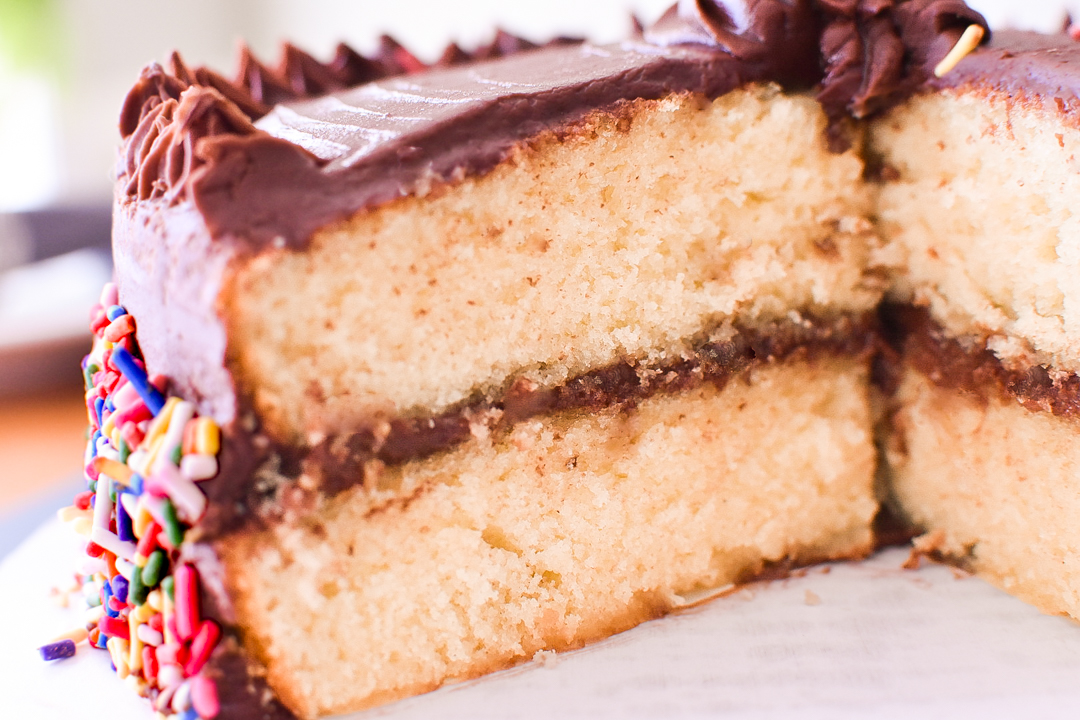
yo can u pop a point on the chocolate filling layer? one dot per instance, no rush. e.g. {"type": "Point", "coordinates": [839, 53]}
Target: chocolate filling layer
{"type": "Point", "coordinates": [924, 345]}
{"type": "Point", "coordinates": [341, 461]}
{"type": "Point", "coordinates": [256, 474]}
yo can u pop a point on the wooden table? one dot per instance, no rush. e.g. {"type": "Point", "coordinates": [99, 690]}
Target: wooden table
{"type": "Point", "coordinates": [42, 438]}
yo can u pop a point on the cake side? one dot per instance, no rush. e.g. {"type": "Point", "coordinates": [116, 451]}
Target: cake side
{"type": "Point", "coordinates": [149, 456]}
{"type": "Point", "coordinates": [175, 281]}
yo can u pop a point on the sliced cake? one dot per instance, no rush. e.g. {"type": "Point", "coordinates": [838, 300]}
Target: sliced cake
{"type": "Point", "coordinates": [515, 352]}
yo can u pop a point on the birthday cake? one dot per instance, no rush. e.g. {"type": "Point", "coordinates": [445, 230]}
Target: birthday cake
{"type": "Point", "coordinates": [410, 373]}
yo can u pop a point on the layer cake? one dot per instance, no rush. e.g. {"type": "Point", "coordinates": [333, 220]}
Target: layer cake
{"type": "Point", "coordinates": [515, 352]}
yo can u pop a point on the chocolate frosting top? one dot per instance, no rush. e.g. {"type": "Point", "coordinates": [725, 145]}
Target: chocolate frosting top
{"type": "Point", "coordinates": [263, 164]}
{"type": "Point", "coordinates": [1024, 65]}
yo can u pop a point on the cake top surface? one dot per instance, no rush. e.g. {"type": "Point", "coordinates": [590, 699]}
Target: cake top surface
{"type": "Point", "coordinates": [378, 128]}
{"type": "Point", "coordinates": [1023, 63]}
{"type": "Point", "coordinates": [346, 128]}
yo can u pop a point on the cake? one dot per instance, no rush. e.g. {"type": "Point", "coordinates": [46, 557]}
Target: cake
{"type": "Point", "coordinates": [411, 373]}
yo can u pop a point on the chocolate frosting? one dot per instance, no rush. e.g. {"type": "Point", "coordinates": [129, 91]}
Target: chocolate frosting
{"type": "Point", "coordinates": [1025, 66]}
{"type": "Point", "coordinates": [261, 174]}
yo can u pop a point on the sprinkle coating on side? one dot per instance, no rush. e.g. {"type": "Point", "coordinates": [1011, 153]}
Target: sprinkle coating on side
{"type": "Point", "coordinates": [146, 454]}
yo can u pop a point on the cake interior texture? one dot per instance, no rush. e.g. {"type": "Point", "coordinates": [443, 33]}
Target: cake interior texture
{"type": "Point", "coordinates": [982, 209]}
{"type": "Point", "coordinates": [997, 482]}
{"type": "Point", "coordinates": [561, 530]}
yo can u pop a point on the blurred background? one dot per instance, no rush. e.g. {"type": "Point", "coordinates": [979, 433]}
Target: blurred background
{"type": "Point", "coordinates": [65, 66]}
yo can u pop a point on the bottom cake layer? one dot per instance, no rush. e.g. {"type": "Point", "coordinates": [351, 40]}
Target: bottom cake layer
{"type": "Point", "coordinates": [998, 484]}
{"type": "Point", "coordinates": [561, 531]}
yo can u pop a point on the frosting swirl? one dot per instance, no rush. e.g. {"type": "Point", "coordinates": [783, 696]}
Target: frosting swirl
{"type": "Point", "coordinates": [777, 39]}
{"type": "Point", "coordinates": [877, 51]}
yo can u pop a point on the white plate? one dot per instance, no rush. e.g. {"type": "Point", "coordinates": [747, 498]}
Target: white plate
{"type": "Point", "coordinates": [850, 640]}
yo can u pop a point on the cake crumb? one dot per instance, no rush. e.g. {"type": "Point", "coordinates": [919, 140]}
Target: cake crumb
{"type": "Point", "coordinates": [812, 598]}
{"type": "Point", "coordinates": [546, 658]}
{"type": "Point", "coordinates": [924, 546]}
{"type": "Point", "coordinates": [525, 435]}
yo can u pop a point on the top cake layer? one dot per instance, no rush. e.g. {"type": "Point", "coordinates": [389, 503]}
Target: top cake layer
{"type": "Point", "coordinates": [980, 198]}
{"type": "Point", "coordinates": [617, 243]}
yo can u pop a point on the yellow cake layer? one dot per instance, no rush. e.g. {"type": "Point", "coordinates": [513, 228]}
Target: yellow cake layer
{"type": "Point", "coordinates": [1000, 482]}
{"type": "Point", "coordinates": [629, 238]}
{"type": "Point", "coordinates": [984, 209]}
{"type": "Point", "coordinates": [566, 529]}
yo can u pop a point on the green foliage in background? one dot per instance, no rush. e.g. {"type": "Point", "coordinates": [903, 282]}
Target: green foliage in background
{"type": "Point", "coordinates": [29, 35]}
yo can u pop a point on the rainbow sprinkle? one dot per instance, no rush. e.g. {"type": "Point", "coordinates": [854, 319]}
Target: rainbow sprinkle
{"type": "Point", "coordinates": [146, 454]}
